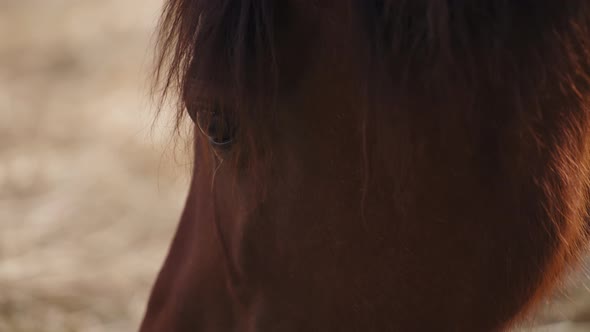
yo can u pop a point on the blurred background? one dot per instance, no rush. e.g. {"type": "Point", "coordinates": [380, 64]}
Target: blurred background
{"type": "Point", "coordinates": [90, 190]}
{"type": "Point", "coordinates": [90, 186]}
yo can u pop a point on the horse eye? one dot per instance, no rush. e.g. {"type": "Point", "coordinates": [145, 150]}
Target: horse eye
{"type": "Point", "coordinates": [216, 124]}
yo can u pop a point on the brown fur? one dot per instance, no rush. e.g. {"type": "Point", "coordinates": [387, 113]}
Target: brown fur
{"type": "Point", "coordinates": [397, 165]}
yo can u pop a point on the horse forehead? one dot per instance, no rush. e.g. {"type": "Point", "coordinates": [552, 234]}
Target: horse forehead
{"type": "Point", "coordinates": [317, 39]}
{"type": "Point", "coordinates": [335, 5]}
{"type": "Point", "coordinates": [331, 12]}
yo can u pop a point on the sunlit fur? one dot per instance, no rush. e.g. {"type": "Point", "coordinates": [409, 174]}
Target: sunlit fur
{"type": "Point", "coordinates": [399, 165]}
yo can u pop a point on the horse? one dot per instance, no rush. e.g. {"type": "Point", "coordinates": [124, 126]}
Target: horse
{"type": "Point", "coordinates": [374, 165]}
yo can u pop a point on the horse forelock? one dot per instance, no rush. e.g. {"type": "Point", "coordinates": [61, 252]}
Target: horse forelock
{"type": "Point", "coordinates": [458, 55]}
{"type": "Point", "coordinates": [231, 46]}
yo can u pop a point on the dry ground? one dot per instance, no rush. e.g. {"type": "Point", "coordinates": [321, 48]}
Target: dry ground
{"type": "Point", "coordinates": [89, 193]}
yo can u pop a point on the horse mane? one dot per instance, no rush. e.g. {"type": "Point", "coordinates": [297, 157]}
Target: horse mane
{"type": "Point", "coordinates": [420, 45]}
{"type": "Point", "coordinates": [455, 51]}
{"type": "Point", "coordinates": [530, 52]}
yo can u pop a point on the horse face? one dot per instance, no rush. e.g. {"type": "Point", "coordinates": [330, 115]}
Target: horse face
{"type": "Point", "coordinates": [382, 188]}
